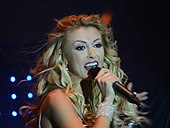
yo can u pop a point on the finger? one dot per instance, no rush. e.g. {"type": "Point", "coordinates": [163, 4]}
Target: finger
{"type": "Point", "coordinates": [102, 76]}
{"type": "Point", "coordinates": [100, 86]}
{"type": "Point", "coordinates": [109, 80]}
{"type": "Point", "coordinates": [130, 85]}
{"type": "Point", "coordinates": [106, 80]}
{"type": "Point", "coordinates": [101, 72]}
{"type": "Point", "coordinates": [142, 94]}
{"type": "Point", "coordinates": [102, 80]}
{"type": "Point", "coordinates": [143, 98]}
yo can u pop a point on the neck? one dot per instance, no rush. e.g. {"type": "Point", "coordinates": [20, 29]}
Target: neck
{"type": "Point", "coordinates": [76, 81]}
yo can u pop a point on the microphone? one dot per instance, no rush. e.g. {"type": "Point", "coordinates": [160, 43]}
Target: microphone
{"type": "Point", "coordinates": [118, 87]}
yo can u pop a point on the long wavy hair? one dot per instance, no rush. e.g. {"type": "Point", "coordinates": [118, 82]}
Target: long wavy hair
{"type": "Point", "coordinates": [52, 73]}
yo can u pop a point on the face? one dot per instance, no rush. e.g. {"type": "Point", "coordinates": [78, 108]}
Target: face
{"type": "Point", "coordinates": [83, 50]}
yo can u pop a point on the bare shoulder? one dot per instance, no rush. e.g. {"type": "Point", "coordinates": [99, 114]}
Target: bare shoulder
{"type": "Point", "coordinates": [57, 95]}
{"type": "Point", "coordinates": [58, 108]}
{"type": "Point", "coordinates": [57, 100]}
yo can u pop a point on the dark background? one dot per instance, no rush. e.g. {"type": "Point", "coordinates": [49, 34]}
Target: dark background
{"type": "Point", "coordinates": [139, 26]}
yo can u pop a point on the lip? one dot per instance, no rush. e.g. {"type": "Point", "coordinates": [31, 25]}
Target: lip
{"type": "Point", "coordinates": [90, 63]}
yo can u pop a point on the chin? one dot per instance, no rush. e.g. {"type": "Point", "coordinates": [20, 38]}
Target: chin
{"type": "Point", "coordinates": [83, 76]}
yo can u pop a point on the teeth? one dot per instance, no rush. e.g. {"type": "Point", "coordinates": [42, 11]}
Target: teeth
{"type": "Point", "coordinates": [91, 65]}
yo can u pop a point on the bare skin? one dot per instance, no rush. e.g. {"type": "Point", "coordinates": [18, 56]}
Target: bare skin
{"type": "Point", "coordinates": [80, 49]}
{"type": "Point", "coordinates": [61, 114]}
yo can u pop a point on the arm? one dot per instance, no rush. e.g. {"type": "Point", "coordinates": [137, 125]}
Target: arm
{"type": "Point", "coordinates": [60, 113]}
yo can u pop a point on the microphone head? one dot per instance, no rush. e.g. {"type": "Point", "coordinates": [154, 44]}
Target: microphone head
{"type": "Point", "coordinates": [93, 72]}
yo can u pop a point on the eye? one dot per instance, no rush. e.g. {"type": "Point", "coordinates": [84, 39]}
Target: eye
{"type": "Point", "coordinates": [98, 45]}
{"type": "Point", "coordinates": [79, 48]}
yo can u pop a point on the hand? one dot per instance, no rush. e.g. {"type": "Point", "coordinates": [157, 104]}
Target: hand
{"type": "Point", "coordinates": [141, 96]}
{"type": "Point", "coordinates": [105, 80]}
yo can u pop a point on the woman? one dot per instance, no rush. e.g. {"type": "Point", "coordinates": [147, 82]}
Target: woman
{"type": "Point", "coordinates": [77, 44]}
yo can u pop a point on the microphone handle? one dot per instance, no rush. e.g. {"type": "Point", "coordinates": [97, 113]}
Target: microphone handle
{"type": "Point", "coordinates": [125, 93]}
{"type": "Point", "coordinates": [119, 88]}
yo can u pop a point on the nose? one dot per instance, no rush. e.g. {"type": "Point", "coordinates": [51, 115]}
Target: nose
{"type": "Point", "coordinates": [91, 53]}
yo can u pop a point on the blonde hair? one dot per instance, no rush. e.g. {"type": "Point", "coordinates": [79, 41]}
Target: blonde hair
{"type": "Point", "coordinates": [51, 72]}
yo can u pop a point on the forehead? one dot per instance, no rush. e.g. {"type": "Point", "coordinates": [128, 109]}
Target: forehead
{"type": "Point", "coordinates": [83, 33]}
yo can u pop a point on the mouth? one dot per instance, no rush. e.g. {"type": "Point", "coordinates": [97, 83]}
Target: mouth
{"type": "Point", "coordinates": [90, 65]}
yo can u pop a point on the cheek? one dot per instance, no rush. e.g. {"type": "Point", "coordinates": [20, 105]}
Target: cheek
{"type": "Point", "coordinates": [75, 61]}
{"type": "Point", "coordinates": [101, 57]}
{"type": "Point", "coordinates": [102, 60]}
{"type": "Point", "coordinates": [100, 53]}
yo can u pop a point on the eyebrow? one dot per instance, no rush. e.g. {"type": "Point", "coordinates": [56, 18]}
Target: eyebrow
{"type": "Point", "coordinates": [85, 41]}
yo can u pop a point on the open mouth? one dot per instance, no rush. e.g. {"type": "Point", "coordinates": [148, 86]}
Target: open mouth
{"type": "Point", "coordinates": [90, 65]}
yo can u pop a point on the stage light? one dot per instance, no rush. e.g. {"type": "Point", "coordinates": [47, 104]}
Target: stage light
{"type": "Point", "coordinates": [30, 95]}
{"type": "Point", "coordinates": [14, 113]}
{"type": "Point", "coordinates": [12, 79]}
{"type": "Point", "coordinates": [13, 96]}
{"type": "Point", "coordinates": [29, 78]}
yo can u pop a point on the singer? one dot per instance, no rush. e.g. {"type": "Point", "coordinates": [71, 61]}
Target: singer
{"type": "Point", "coordinates": [75, 45]}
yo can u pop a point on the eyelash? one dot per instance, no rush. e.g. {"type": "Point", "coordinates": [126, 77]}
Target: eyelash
{"type": "Point", "coordinates": [98, 45]}
{"type": "Point", "coordinates": [80, 48]}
